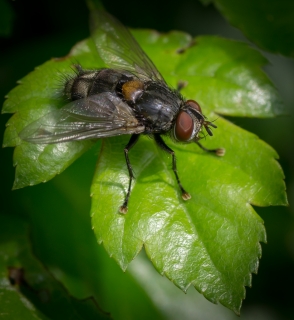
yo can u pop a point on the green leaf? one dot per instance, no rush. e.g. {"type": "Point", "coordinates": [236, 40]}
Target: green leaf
{"type": "Point", "coordinates": [27, 290]}
{"type": "Point", "coordinates": [211, 241]}
{"type": "Point", "coordinates": [269, 24]}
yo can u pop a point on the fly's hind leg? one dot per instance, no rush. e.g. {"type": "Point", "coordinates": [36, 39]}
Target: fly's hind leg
{"type": "Point", "coordinates": [164, 147]}
{"type": "Point", "coordinates": [219, 152]}
{"type": "Point", "coordinates": [131, 143]}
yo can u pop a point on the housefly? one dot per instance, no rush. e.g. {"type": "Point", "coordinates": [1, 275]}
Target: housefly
{"type": "Point", "coordinates": [130, 97]}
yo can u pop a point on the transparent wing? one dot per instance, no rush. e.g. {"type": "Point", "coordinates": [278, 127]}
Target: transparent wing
{"type": "Point", "coordinates": [118, 49]}
{"type": "Point", "coordinates": [98, 116]}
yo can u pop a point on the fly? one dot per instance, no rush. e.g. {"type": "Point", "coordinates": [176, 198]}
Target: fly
{"type": "Point", "coordinates": [130, 97]}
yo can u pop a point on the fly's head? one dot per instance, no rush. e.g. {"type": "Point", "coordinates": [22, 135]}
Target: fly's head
{"type": "Point", "coordinates": [189, 123]}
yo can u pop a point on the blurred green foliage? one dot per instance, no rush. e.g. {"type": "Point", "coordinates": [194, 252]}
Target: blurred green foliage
{"type": "Point", "coordinates": [269, 24]}
{"type": "Point", "coordinates": [27, 289]}
{"type": "Point", "coordinates": [41, 31]}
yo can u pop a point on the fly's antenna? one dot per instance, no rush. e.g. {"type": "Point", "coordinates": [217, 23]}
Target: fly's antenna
{"type": "Point", "coordinates": [207, 128]}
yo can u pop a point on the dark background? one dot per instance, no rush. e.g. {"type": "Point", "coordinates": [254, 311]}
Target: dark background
{"type": "Point", "coordinates": [45, 29]}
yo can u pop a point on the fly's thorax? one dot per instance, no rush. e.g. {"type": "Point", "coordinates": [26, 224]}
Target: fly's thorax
{"type": "Point", "coordinates": [157, 105]}
{"type": "Point", "coordinates": [90, 82]}
{"type": "Point", "coordinates": [132, 90]}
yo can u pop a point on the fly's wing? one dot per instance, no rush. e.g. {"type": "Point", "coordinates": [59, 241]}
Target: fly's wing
{"type": "Point", "coordinates": [118, 49]}
{"type": "Point", "coordinates": [98, 116]}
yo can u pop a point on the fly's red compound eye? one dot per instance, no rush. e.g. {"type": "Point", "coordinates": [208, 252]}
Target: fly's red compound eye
{"type": "Point", "coordinates": [193, 104]}
{"type": "Point", "coordinates": [184, 126]}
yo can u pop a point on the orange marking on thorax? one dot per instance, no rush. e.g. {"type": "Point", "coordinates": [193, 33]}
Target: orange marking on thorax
{"type": "Point", "coordinates": [131, 90]}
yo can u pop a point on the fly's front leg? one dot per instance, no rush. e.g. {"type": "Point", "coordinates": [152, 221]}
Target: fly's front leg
{"type": "Point", "coordinates": [219, 152]}
{"type": "Point", "coordinates": [163, 146]}
{"type": "Point", "coordinates": [132, 142]}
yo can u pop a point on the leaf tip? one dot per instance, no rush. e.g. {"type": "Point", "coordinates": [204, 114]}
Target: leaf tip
{"type": "Point", "coordinates": [15, 185]}
{"type": "Point", "coordinates": [237, 312]}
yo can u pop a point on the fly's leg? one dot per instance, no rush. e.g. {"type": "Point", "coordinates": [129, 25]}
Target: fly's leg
{"type": "Point", "coordinates": [164, 147]}
{"type": "Point", "coordinates": [131, 143]}
{"type": "Point", "coordinates": [219, 152]}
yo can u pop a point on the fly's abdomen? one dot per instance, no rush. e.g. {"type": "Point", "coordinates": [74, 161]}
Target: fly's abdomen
{"type": "Point", "coordinates": [88, 83]}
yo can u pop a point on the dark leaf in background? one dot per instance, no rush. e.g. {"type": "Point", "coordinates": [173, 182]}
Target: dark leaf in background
{"type": "Point", "coordinates": [269, 24]}
{"type": "Point", "coordinates": [27, 289]}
